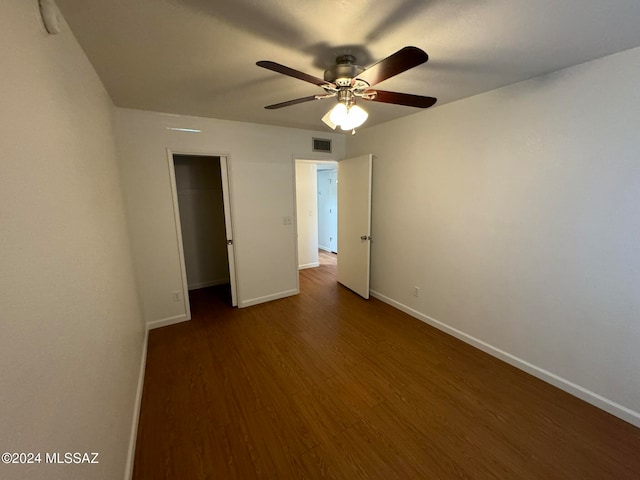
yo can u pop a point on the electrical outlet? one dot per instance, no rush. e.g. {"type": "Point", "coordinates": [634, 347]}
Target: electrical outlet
{"type": "Point", "coordinates": [416, 291]}
{"type": "Point", "coordinates": [177, 296]}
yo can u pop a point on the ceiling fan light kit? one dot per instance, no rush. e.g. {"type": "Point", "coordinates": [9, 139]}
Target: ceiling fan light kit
{"type": "Point", "coordinates": [346, 114]}
{"type": "Point", "coordinates": [347, 118]}
{"type": "Point", "coordinates": [347, 81]}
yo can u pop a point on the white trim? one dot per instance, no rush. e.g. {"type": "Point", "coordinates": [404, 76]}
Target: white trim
{"type": "Point", "coordinates": [212, 283]}
{"type": "Point", "coordinates": [128, 472]}
{"type": "Point", "coordinates": [178, 232]}
{"type": "Point", "coordinates": [163, 322]}
{"type": "Point", "coordinates": [295, 221]}
{"type": "Point", "coordinates": [588, 396]}
{"type": "Point", "coordinates": [268, 298]}
{"type": "Point", "coordinates": [225, 176]}
{"type": "Point", "coordinates": [326, 249]}
{"type": "Point", "coordinates": [309, 265]}
{"type": "Point", "coordinates": [311, 161]}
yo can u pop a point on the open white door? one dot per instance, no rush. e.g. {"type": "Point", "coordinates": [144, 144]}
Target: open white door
{"type": "Point", "coordinates": [354, 223]}
{"type": "Point", "coordinates": [227, 222]}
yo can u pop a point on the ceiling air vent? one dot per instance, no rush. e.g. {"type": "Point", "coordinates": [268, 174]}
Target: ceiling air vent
{"type": "Point", "coordinates": [322, 145]}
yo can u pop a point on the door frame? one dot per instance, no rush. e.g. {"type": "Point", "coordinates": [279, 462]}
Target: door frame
{"type": "Point", "coordinates": [233, 276]}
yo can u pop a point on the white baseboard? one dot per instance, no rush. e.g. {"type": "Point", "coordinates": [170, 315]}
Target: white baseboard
{"type": "Point", "coordinates": [212, 283]}
{"type": "Point", "coordinates": [308, 265]}
{"type": "Point", "coordinates": [326, 249]}
{"type": "Point", "coordinates": [163, 322]}
{"type": "Point", "coordinates": [268, 298]}
{"type": "Point", "coordinates": [593, 398]}
{"type": "Point", "coordinates": [128, 473]}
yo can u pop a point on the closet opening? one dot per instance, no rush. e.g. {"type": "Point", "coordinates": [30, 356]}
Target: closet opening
{"type": "Point", "coordinates": [204, 221]}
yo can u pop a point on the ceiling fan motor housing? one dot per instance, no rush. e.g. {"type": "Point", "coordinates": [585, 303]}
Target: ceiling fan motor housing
{"type": "Point", "coordinates": [344, 70]}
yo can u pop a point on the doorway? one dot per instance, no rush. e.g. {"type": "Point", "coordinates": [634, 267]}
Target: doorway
{"type": "Point", "coordinates": [328, 208]}
{"type": "Point", "coordinates": [201, 191]}
{"type": "Point", "coordinates": [353, 232]}
{"type": "Point", "coordinates": [316, 210]}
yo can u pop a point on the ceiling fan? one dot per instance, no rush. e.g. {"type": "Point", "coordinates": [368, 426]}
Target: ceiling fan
{"type": "Point", "coordinates": [348, 81]}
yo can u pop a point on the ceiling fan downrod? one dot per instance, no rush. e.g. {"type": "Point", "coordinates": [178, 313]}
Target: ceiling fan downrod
{"type": "Point", "coordinates": [347, 97]}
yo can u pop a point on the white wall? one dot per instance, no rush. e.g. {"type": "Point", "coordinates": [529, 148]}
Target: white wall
{"type": "Point", "coordinates": [71, 330]}
{"type": "Point", "coordinates": [261, 160]}
{"type": "Point", "coordinates": [204, 238]}
{"type": "Point", "coordinates": [517, 212]}
{"type": "Point", "coordinates": [307, 214]}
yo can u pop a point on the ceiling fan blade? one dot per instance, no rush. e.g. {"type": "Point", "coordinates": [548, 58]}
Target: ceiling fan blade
{"type": "Point", "coordinates": [402, 99]}
{"type": "Point", "coordinates": [276, 67]}
{"type": "Point", "coordinates": [291, 102]}
{"type": "Point", "coordinates": [399, 62]}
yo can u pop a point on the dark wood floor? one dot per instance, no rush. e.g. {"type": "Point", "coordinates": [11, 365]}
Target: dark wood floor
{"type": "Point", "coordinates": [327, 385]}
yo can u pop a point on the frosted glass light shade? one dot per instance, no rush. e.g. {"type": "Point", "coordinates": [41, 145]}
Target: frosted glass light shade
{"type": "Point", "coordinates": [357, 116]}
{"type": "Point", "coordinates": [339, 114]}
{"type": "Point", "coordinates": [348, 118]}
{"type": "Point", "coordinates": [347, 126]}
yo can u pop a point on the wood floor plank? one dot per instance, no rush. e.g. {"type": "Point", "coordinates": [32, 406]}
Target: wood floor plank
{"type": "Point", "coordinates": [324, 415]}
{"type": "Point", "coordinates": [316, 464]}
{"type": "Point", "coordinates": [326, 385]}
{"type": "Point", "coordinates": [286, 449]}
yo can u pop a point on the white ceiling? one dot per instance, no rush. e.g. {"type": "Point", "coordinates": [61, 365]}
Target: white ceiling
{"type": "Point", "coordinates": [197, 57]}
